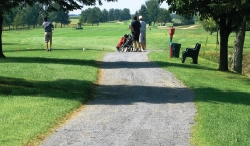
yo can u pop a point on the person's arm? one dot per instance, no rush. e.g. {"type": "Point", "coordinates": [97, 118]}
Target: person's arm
{"type": "Point", "coordinates": [52, 26]}
{"type": "Point", "coordinates": [131, 27]}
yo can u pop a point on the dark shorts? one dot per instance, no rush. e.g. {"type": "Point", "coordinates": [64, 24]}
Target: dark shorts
{"type": "Point", "coordinates": [135, 36]}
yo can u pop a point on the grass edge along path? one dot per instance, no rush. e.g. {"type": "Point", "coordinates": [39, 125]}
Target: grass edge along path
{"type": "Point", "coordinates": [43, 91]}
{"type": "Point", "coordinates": [222, 100]}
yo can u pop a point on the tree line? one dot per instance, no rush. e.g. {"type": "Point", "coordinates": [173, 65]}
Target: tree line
{"type": "Point", "coordinates": [151, 12]}
{"type": "Point", "coordinates": [95, 15]}
{"type": "Point", "coordinates": [32, 16]}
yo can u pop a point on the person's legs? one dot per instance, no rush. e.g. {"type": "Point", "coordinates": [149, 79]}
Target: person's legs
{"type": "Point", "coordinates": [144, 46]}
{"type": "Point", "coordinates": [46, 40]}
{"type": "Point", "coordinates": [139, 46]}
{"type": "Point", "coordinates": [50, 46]}
{"type": "Point", "coordinates": [135, 45]}
{"type": "Point", "coordinates": [46, 45]}
{"type": "Point", "coordinates": [137, 41]}
{"type": "Point", "coordinates": [142, 40]}
{"type": "Point", "coordinates": [50, 41]}
{"type": "Point", "coordinates": [134, 41]}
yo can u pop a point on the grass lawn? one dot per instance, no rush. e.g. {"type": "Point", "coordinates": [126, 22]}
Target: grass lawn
{"type": "Point", "coordinates": [222, 101]}
{"type": "Point", "coordinates": [40, 89]}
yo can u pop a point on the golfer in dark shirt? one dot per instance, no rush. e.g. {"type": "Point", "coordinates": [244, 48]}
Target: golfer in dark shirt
{"type": "Point", "coordinates": [48, 27]}
{"type": "Point", "coordinates": [135, 26]}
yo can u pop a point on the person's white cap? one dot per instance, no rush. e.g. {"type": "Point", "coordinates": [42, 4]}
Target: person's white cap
{"type": "Point", "coordinates": [140, 17]}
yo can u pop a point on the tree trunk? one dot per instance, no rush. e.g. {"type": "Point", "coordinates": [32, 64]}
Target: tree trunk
{"type": "Point", "coordinates": [224, 34]}
{"type": "Point", "coordinates": [1, 30]}
{"type": "Point", "coordinates": [238, 49]}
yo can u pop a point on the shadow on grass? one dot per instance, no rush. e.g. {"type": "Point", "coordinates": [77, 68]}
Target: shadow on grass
{"type": "Point", "coordinates": [27, 50]}
{"type": "Point", "coordinates": [66, 89]}
{"type": "Point", "coordinates": [124, 95]}
{"type": "Point", "coordinates": [116, 94]}
{"type": "Point", "coordinates": [216, 96]}
{"type": "Point", "coordinates": [81, 91]}
{"type": "Point", "coordinates": [50, 61]}
{"type": "Point", "coordinates": [23, 50]}
{"type": "Point", "coordinates": [104, 65]}
{"type": "Point", "coordinates": [12, 44]}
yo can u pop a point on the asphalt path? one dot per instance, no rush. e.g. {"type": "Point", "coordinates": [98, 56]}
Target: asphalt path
{"type": "Point", "coordinates": [136, 103]}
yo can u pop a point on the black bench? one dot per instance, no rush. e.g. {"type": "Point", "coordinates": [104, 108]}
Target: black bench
{"type": "Point", "coordinates": [191, 52]}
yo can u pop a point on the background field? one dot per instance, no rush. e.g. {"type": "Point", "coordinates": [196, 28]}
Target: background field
{"type": "Point", "coordinates": [39, 89]}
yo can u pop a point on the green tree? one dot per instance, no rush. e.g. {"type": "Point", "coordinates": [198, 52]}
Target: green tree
{"type": "Point", "coordinates": [186, 21]}
{"type": "Point", "coordinates": [227, 14]}
{"type": "Point", "coordinates": [84, 15]}
{"type": "Point", "coordinates": [126, 14]}
{"type": "Point", "coordinates": [111, 16]}
{"type": "Point", "coordinates": [104, 15]}
{"type": "Point", "coordinates": [62, 17]}
{"type": "Point", "coordinates": [9, 16]}
{"type": "Point", "coordinates": [7, 20]}
{"type": "Point", "coordinates": [153, 9]}
{"type": "Point", "coordinates": [66, 5]}
{"type": "Point", "coordinates": [95, 15]}
{"type": "Point", "coordinates": [59, 16]}
{"type": "Point", "coordinates": [116, 14]}
{"type": "Point", "coordinates": [19, 20]}
{"type": "Point", "coordinates": [136, 13]}
{"type": "Point", "coordinates": [144, 13]}
{"type": "Point", "coordinates": [31, 14]}
{"type": "Point", "coordinates": [163, 16]}
{"type": "Point", "coordinates": [209, 25]}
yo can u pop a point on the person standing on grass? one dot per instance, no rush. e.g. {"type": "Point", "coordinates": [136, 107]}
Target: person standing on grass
{"type": "Point", "coordinates": [48, 27]}
{"type": "Point", "coordinates": [135, 28]}
{"type": "Point", "coordinates": [142, 37]}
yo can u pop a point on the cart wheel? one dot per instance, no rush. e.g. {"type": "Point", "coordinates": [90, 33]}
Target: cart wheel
{"type": "Point", "coordinates": [125, 49]}
{"type": "Point", "coordinates": [120, 49]}
{"type": "Point", "coordinates": [130, 49]}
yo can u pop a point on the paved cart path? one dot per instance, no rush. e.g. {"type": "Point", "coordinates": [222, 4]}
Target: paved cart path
{"type": "Point", "coordinates": [137, 103]}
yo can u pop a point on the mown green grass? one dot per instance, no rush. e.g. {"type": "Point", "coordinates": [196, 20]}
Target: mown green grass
{"type": "Point", "coordinates": [38, 88]}
{"type": "Point", "coordinates": [222, 101]}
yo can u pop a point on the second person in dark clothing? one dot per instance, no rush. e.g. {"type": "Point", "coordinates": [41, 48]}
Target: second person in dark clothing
{"type": "Point", "coordinates": [135, 27]}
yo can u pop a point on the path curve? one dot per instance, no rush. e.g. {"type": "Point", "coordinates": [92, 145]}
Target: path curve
{"type": "Point", "coordinates": [136, 103]}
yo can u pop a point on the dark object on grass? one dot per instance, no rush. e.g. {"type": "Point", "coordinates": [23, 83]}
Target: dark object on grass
{"type": "Point", "coordinates": [176, 49]}
{"type": "Point", "coordinates": [79, 26]}
{"type": "Point", "coordinates": [125, 44]}
{"type": "Point", "coordinates": [191, 52]}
